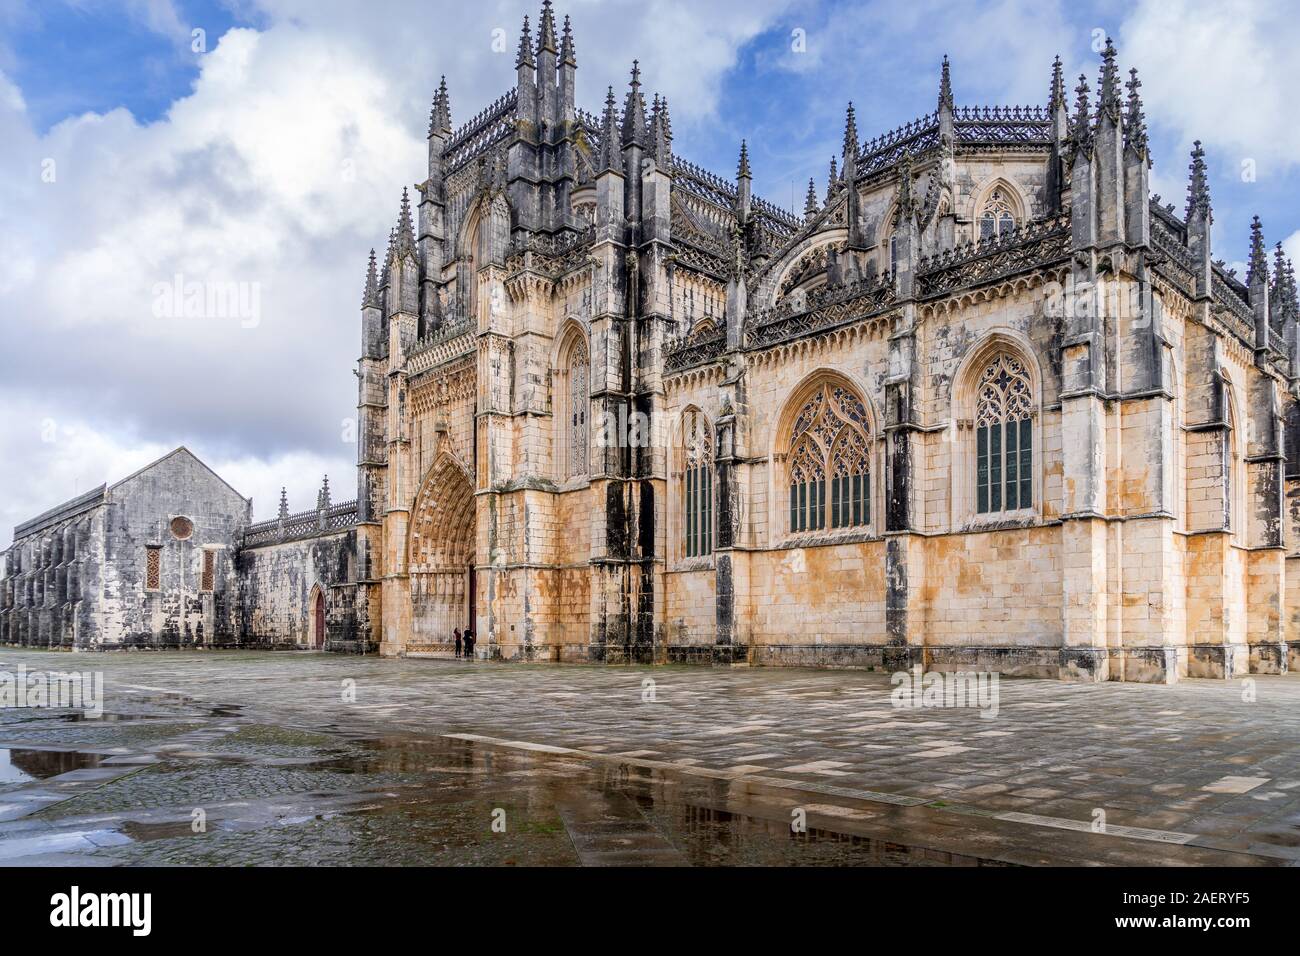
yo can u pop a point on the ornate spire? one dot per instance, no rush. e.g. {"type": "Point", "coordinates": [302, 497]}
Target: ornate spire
{"type": "Point", "coordinates": [609, 136]}
{"type": "Point", "coordinates": [525, 55]}
{"type": "Point", "coordinates": [1108, 102]}
{"type": "Point", "coordinates": [323, 496]}
{"type": "Point", "coordinates": [388, 257]}
{"type": "Point", "coordinates": [634, 124]}
{"type": "Point", "coordinates": [546, 29]}
{"type": "Point", "coordinates": [1082, 114]}
{"type": "Point", "coordinates": [831, 179]}
{"type": "Point", "coordinates": [1283, 295]}
{"type": "Point", "coordinates": [666, 120]}
{"type": "Point", "coordinates": [660, 135]}
{"type": "Point", "coordinates": [810, 204]}
{"type": "Point", "coordinates": [371, 295]}
{"type": "Point", "coordinates": [1258, 266]}
{"type": "Point", "coordinates": [742, 168]}
{"type": "Point", "coordinates": [566, 45]}
{"type": "Point", "coordinates": [405, 226]}
{"type": "Point", "coordinates": [440, 114]}
{"type": "Point", "coordinates": [1056, 97]}
{"type": "Point", "coordinates": [945, 85]}
{"type": "Point", "coordinates": [284, 497]}
{"type": "Point", "coordinates": [1198, 187]}
{"type": "Point", "coordinates": [1135, 125]}
{"type": "Point", "coordinates": [1290, 296]}
{"type": "Point", "coordinates": [850, 135]}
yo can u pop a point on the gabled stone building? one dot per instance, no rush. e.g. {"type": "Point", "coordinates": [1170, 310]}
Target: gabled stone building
{"type": "Point", "coordinates": [147, 561]}
{"type": "Point", "coordinates": [987, 404]}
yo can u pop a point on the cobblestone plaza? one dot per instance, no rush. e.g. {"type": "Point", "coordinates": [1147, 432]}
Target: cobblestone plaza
{"type": "Point", "coordinates": [312, 758]}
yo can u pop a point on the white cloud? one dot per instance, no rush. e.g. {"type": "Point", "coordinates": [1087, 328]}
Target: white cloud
{"type": "Point", "coordinates": [279, 170]}
{"type": "Point", "coordinates": [1220, 72]}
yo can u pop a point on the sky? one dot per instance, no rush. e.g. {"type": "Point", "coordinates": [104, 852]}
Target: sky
{"type": "Point", "coordinates": [261, 146]}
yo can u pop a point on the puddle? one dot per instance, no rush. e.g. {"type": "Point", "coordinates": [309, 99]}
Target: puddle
{"type": "Point", "coordinates": [24, 766]}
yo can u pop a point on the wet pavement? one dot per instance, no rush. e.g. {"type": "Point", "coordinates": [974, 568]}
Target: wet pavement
{"type": "Point", "coordinates": [238, 758]}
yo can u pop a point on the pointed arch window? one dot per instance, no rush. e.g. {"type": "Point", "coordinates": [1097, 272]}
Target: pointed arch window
{"type": "Point", "coordinates": [578, 409]}
{"type": "Point", "coordinates": [1004, 452]}
{"type": "Point", "coordinates": [998, 217]}
{"type": "Point", "coordinates": [830, 462]}
{"type": "Point", "coordinates": [697, 487]}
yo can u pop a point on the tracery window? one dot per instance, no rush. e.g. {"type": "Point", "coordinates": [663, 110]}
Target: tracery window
{"type": "Point", "coordinates": [697, 486]}
{"type": "Point", "coordinates": [152, 568]}
{"type": "Point", "coordinates": [998, 217]}
{"type": "Point", "coordinates": [208, 575]}
{"type": "Point", "coordinates": [830, 462]}
{"type": "Point", "coordinates": [1004, 451]}
{"type": "Point", "coordinates": [579, 406]}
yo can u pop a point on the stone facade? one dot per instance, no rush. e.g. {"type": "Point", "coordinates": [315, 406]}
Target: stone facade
{"type": "Point", "coordinates": [987, 404]}
{"type": "Point", "coordinates": [148, 561]}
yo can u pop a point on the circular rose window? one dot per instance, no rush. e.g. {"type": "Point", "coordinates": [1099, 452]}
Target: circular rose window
{"type": "Point", "coordinates": [182, 527]}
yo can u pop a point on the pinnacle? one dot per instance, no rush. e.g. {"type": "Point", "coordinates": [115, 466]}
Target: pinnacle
{"type": "Point", "coordinates": [525, 54]}
{"type": "Point", "coordinates": [546, 29]}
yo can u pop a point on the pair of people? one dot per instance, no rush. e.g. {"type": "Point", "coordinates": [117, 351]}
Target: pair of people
{"type": "Point", "coordinates": [466, 642]}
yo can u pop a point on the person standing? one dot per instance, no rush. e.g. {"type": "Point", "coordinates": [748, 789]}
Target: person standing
{"type": "Point", "coordinates": [469, 643]}
{"type": "Point", "coordinates": [457, 632]}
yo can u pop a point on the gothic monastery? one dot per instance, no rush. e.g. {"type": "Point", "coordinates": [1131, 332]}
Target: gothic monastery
{"type": "Point", "coordinates": [986, 405]}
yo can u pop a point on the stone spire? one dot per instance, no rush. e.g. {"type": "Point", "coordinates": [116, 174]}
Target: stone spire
{"type": "Point", "coordinates": [660, 134]}
{"type": "Point", "coordinates": [566, 45]}
{"type": "Point", "coordinates": [440, 114]}
{"type": "Point", "coordinates": [850, 140]}
{"type": "Point", "coordinates": [1108, 102]}
{"type": "Point", "coordinates": [1283, 296]}
{"type": "Point", "coordinates": [1258, 266]}
{"type": "Point", "coordinates": [525, 54]}
{"type": "Point", "coordinates": [323, 497]}
{"type": "Point", "coordinates": [810, 204]}
{"type": "Point", "coordinates": [1056, 96]}
{"type": "Point", "coordinates": [634, 123]}
{"type": "Point", "coordinates": [284, 497]}
{"type": "Point", "coordinates": [1082, 115]}
{"type": "Point", "coordinates": [831, 179]}
{"type": "Point", "coordinates": [609, 154]}
{"type": "Point", "coordinates": [388, 258]}
{"type": "Point", "coordinates": [1135, 125]}
{"type": "Point", "coordinates": [945, 86]}
{"type": "Point", "coordinates": [405, 226]}
{"type": "Point", "coordinates": [744, 183]}
{"type": "Point", "coordinates": [1198, 186]}
{"type": "Point", "coordinates": [371, 295]}
{"type": "Point", "coordinates": [546, 29]}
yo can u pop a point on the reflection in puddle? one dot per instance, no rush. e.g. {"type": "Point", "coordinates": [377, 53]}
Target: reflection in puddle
{"type": "Point", "coordinates": [22, 766]}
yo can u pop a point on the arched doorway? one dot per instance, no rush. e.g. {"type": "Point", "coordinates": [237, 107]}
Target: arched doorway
{"type": "Point", "coordinates": [441, 557]}
{"type": "Point", "coordinates": [316, 619]}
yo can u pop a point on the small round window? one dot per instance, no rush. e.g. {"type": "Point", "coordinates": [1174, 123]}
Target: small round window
{"type": "Point", "coordinates": [182, 527]}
